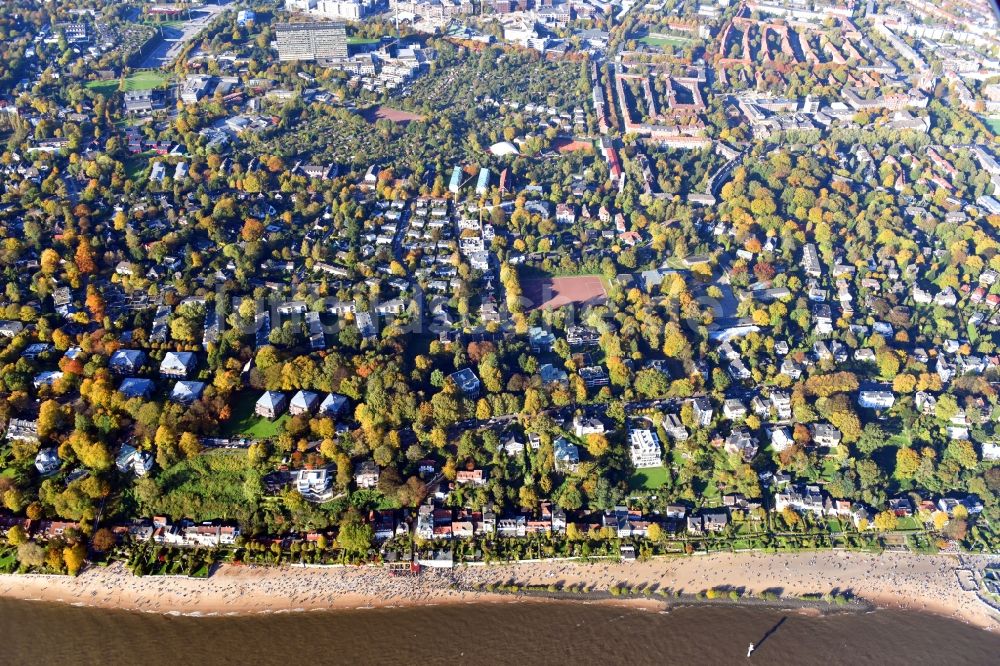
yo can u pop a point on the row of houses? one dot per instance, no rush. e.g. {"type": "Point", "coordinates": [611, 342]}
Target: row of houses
{"type": "Point", "coordinates": [273, 404]}
{"type": "Point", "coordinates": [184, 533]}
{"type": "Point", "coordinates": [176, 365]}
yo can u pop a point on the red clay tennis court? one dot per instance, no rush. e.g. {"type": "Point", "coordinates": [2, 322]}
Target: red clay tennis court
{"type": "Point", "coordinates": [556, 292]}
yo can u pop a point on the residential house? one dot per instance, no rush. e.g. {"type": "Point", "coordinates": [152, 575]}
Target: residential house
{"type": "Point", "coordinates": [780, 439]}
{"type": "Point", "coordinates": [472, 477]}
{"type": "Point", "coordinates": [802, 498]}
{"type": "Point", "coordinates": [131, 460]}
{"type": "Point", "coordinates": [466, 381]}
{"type": "Point", "coordinates": [271, 405]}
{"type": "Point", "coordinates": [22, 430]}
{"type": "Point", "coordinates": [740, 442]}
{"type": "Point", "coordinates": [315, 485]}
{"type": "Point", "coordinates": [674, 428]}
{"type": "Point", "coordinates": [594, 376]}
{"type": "Point", "coordinates": [876, 399]}
{"type": "Point", "coordinates": [734, 409]}
{"type": "Point", "coordinates": [567, 455]}
{"type": "Point", "coordinates": [47, 378]}
{"type": "Point", "coordinates": [644, 448]}
{"type": "Point", "coordinates": [9, 329]}
{"type": "Point", "coordinates": [540, 339]}
{"type": "Point", "coordinates": [714, 521]}
{"type": "Point", "coordinates": [565, 214]}
{"type": "Point", "coordinates": [133, 387]}
{"type": "Point", "coordinates": [702, 409]}
{"type": "Point", "coordinates": [126, 361]}
{"type": "Point", "coordinates": [303, 402]}
{"type": "Point", "coordinates": [178, 364]}
{"type": "Point", "coordinates": [582, 336]}
{"type": "Point", "coordinates": [185, 392]}
{"type": "Point", "coordinates": [47, 462]}
{"type": "Point", "coordinates": [333, 405]}
{"type": "Point", "coordinates": [512, 445]}
{"type": "Point", "coordinates": [781, 401]}
{"type": "Point", "coordinates": [583, 426]}
{"type": "Point", "coordinates": [825, 435]}
{"type": "Point", "coordinates": [366, 474]}
{"type": "Point", "coordinates": [550, 374]}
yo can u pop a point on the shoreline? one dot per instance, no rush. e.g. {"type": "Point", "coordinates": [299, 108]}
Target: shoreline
{"type": "Point", "coordinates": [898, 581]}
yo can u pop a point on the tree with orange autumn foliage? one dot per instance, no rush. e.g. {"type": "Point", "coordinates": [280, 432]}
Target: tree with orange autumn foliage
{"type": "Point", "coordinates": [84, 257]}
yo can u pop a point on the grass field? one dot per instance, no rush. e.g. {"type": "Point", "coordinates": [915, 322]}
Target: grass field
{"type": "Point", "coordinates": [649, 478]}
{"type": "Point", "coordinates": [665, 40]}
{"type": "Point", "coordinates": [361, 41]}
{"type": "Point", "coordinates": [146, 80]}
{"type": "Point", "coordinates": [8, 560]}
{"type": "Point", "coordinates": [245, 422]}
{"type": "Point", "coordinates": [135, 164]}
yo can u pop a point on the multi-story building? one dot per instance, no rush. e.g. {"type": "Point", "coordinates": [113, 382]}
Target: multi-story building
{"type": "Point", "coordinates": [311, 41]}
{"type": "Point", "coordinates": [644, 449]}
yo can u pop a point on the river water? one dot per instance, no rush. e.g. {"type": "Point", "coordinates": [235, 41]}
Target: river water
{"type": "Point", "coordinates": [562, 633]}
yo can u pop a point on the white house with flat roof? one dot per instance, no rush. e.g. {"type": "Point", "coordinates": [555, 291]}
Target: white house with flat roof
{"type": "Point", "coordinates": [874, 399]}
{"type": "Point", "coordinates": [644, 448]}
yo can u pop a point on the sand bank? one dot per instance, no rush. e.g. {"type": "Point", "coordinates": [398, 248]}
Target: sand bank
{"type": "Point", "coordinates": [896, 580]}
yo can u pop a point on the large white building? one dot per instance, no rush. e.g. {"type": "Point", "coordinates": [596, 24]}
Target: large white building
{"type": "Point", "coordinates": [351, 10]}
{"type": "Point", "coordinates": [644, 447]}
{"type": "Point", "coordinates": [876, 399]}
{"type": "Point", "coordinates": [311, 41]}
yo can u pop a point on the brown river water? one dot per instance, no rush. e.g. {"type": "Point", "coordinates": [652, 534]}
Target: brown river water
{"type": "Point", "coordinates": [562, 633]}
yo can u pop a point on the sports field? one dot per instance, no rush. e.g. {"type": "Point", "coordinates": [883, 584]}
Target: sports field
{"type": "Point", "coordinates": [146, 80]}
{"type": "Point", "coordinates": [568, 145]}
{"type": "Point", "coordinates": [555, 292]}
{"type": "Point", "coordinates": [664, 40]}
{"type": "Point", "coordinates": [397, 116]}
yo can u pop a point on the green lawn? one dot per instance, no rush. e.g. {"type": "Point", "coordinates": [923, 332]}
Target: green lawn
{"type": "Point", "coordinates": [245, 422]}
{"type": "Point", "coordinates": [665, 40]}
{"type": "Point", "coordinates": [993, 124]}
{"type": "Point", "coordinates": [829, 468]}
{"type": "Point", "coordinates": [359, 41]}
{"type": "Point", "coordinates": [145, 80]}
{"type": "Point", "coordinates": [8, 560]}
{"type": "Point", "coordinates": [649, 478]}
{"type": "Point", "coordinates": [136, 164]}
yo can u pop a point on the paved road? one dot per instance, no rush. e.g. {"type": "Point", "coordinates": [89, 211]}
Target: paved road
{"type": "Point", "coordinates": [175, 39]}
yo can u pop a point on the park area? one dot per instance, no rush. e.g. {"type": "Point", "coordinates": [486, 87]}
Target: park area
{"type": "Point", "coordinates": [555, 292]}
{"type": "Point", "coordinates": [145, 80]}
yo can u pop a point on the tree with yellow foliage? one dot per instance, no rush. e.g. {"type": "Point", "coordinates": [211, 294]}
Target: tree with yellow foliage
{"type": "Point", "coordinates": [74, 557]}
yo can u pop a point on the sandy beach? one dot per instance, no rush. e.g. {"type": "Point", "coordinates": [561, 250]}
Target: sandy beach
{"type": "Point", "coordinates": [893, 580]}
